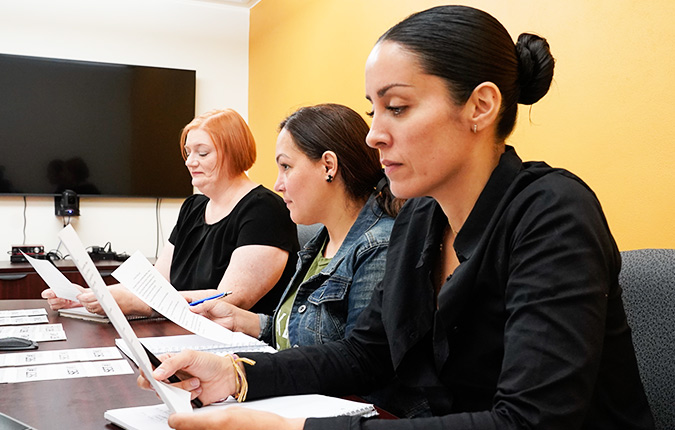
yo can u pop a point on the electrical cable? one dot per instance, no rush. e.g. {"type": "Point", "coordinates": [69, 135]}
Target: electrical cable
{"type": "Point", "coordinates": [25, 206]}
{"type": "Point", "coordinates": [158, 227]}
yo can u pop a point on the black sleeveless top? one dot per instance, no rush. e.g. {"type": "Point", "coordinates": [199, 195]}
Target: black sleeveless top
{"type": "Point", "coordinates": [203, 251]}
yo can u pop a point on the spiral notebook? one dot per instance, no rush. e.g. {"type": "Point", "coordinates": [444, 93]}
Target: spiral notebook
{"type": "Point", "coordinates": [302, 406]}
{"type": "Point", "coordinates": [82, 314]}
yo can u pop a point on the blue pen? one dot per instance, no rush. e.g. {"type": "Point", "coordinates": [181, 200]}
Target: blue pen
{"type": "Point", "coordinates": [217, 296]}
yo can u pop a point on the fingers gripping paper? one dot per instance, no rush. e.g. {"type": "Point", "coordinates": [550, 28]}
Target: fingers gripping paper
{"type": "Point", "coordinates": [56, 280]}
{"type": "Point", "coordinates": [176, 400]}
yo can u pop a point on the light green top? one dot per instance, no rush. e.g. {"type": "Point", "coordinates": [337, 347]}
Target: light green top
{"type": "Point", "coordinates": [283, 315]}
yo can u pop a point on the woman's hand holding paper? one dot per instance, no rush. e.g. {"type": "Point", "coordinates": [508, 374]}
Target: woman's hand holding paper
{"type": "Point", "coordinates": [126, 300]}
{"type": "Point", "coordinates": [56, 303]}
{"type": "Point", "coordinates": [209, 376]}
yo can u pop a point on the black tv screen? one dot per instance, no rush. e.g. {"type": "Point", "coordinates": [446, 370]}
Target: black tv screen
{"type": "Point", "coordinates": [95, 128]}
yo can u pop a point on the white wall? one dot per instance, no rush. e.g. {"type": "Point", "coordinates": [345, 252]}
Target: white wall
{"type": "Point", "coordinates": [188, 34]}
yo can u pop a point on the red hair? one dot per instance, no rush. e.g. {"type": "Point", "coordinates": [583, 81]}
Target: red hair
{"type": "Point", "coordinates": [234, 142]}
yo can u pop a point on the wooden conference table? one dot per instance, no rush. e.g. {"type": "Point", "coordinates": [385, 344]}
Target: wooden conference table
{"type": "Point", "coordinates": [80, 403]}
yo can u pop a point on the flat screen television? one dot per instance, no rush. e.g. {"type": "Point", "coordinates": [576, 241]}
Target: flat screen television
{"type": "Point", "coordinates": [95, 128]}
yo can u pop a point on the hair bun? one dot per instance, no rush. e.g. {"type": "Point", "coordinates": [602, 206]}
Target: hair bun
{"type": "Point", "coordinates": [535, 67]}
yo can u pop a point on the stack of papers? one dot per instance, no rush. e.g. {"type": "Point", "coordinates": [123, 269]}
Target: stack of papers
{"type": "Point", "coordinates": [174, 344]}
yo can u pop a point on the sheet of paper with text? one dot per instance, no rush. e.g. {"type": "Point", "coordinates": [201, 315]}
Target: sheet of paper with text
{"type": "Point", "coordinates": [140, 277]}
{"type": "Point", "coordinates": [176, 400]}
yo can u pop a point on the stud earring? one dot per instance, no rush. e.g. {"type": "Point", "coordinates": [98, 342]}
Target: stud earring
{"type": "Point", "coordinates": [475, 128]}
{"type": "Point", "coordinates": [329, 178]}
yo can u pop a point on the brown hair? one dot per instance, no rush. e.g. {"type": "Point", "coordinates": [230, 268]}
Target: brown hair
{"type": "Point", "coordinates": [234, 142]}
{"type": "Point", "coordinates": [337, 128]}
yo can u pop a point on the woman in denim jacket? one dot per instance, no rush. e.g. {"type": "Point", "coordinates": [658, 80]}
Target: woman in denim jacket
{"type": "Point", "coordinates": [327, 304]}
{"type": "Point", "coordinates": [327, 175]}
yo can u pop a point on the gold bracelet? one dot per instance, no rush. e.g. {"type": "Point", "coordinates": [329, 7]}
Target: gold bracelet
{"type": "Point", "coordinates": [241, 385]}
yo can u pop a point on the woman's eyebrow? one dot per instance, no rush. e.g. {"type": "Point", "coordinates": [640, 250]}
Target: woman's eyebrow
{"type": "Point", "coordinates": [382, 91]}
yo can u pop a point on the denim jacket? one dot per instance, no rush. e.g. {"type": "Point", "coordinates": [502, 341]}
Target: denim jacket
{"type": "Point", "coordinates": [328, 304]}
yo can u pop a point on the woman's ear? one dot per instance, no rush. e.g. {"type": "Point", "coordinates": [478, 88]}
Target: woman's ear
{"type": "Point", "coordinates": [329, 161]}
{"type": "Point", "coordinates": [483, 106]}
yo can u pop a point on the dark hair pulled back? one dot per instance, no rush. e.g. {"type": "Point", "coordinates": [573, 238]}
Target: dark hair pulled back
{"type": "Point", "coordinates": [334, 127]}
{"type": "Point", "coordinates": [466, 47]}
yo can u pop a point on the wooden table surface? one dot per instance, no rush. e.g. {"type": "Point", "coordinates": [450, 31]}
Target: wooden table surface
{"type": "Point", "coordinates": [80, 403]}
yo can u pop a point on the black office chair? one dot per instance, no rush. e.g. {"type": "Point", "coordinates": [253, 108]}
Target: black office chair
{"type": "Point", "coordinates": [648, 281]}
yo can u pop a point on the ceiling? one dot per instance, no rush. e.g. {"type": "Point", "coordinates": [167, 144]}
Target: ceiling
{"type": "Point", "coordinates": [241, 3]}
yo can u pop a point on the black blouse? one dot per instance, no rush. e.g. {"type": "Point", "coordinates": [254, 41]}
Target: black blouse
{"type": "Point", "coordinates": [203, 251]}
{"type": "Point", "coordinates": [530, 330]}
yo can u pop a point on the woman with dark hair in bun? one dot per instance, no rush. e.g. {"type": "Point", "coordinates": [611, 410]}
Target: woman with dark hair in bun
{"type": "Point", "coordinates": [500, 302]}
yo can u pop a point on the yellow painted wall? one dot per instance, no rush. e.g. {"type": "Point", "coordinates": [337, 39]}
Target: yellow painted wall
{"type": "Point", "coordinates": [609, 116]}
